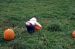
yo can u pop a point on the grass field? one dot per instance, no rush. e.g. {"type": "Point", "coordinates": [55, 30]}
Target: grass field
{"type": "Point", "coordinates": [56, 16]}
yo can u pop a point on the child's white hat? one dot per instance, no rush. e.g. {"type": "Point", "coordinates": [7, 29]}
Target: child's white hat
{"type": "Point", "coordinates": [33, 19]}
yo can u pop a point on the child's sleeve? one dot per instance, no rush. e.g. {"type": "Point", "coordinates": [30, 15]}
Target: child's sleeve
{"type": "Point", "coordinates": [27, 23]}
{"type": "Point", "coordinates": [38, 24]}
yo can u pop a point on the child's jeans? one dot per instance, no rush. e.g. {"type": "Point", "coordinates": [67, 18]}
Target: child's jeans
{"type": "Point", "coordinates": [30, 28]}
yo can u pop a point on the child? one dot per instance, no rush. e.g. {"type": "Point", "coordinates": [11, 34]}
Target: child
{"type": "Point", "coordinates": [30, 25]}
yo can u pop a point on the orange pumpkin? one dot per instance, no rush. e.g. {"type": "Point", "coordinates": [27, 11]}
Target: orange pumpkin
{"type": "Point", "coordinates": [37, 28]}
{"type": "Point", "coordinates": [73, 34]}
{"type": "Point", "coordinates": [9, 34]}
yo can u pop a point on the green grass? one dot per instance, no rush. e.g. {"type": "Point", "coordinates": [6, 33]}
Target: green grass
{"type": "Point", "coordinates": [56, 16]}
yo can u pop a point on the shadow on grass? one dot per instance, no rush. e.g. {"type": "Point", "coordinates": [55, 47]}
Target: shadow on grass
{"type": "Point", "coordinates": [2, 42]}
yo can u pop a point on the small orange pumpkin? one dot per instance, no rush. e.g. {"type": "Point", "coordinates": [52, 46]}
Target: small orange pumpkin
{"type": "Point", "coordinates": [73, 34]}
{"type": "Point", "coordinates": [37, 28]}
{"type": "Point", "coordinates": [9, 34]}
